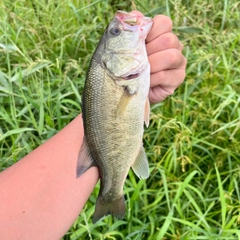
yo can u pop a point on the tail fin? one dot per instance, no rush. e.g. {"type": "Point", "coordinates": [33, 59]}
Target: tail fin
{"type": "Point", "coordinates": [116, 208]}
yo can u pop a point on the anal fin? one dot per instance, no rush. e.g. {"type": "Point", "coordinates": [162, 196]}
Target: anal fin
{"type": "Point", "coordinates": [85, 160]}
{"type": "Point", "coordinates": [140, 166]}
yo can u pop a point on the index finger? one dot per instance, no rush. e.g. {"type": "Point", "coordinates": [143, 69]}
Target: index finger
{"type": "Point", "coordinates": [161, 25]}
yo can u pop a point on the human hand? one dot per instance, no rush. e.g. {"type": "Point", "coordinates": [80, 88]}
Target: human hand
{"type": "Point", "coordinates": [166, 60]}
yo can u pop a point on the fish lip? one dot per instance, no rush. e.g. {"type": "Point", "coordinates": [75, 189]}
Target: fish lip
{"type": "Point", "coordinates": [134, 20]}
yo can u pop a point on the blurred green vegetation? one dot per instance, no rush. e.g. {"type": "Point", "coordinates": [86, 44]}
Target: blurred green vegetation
{"type": "Point", "coordinates": [193, 141]}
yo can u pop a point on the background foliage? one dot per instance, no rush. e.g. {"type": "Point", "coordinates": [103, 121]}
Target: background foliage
{"type": "Point", "coordinates": [193, 142]}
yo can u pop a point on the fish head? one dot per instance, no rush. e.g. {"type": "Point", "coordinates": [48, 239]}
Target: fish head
{"type": "Point", "coordinates": [123, 52]}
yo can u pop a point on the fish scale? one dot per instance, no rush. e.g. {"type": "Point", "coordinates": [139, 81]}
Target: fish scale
{"type": "Point", "coordinates": [114, 110]}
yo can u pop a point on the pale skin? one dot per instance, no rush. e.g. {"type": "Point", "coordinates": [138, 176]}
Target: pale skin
{"type": "Point", "coordinates": [40, 195]}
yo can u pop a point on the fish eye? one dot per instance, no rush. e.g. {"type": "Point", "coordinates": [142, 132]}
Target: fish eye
{"type": "Point", "coordinates": [115, 31]}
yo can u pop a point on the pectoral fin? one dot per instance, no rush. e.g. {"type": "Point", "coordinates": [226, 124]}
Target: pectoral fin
{"type": "Point", "coordinates": [140, 166]}
{"type": "Point", "coordinates": [125, 99]}
{"type": "Point", "coordinates": [147, 113]}
{"type": "Point", "coordinates": [84, 161]}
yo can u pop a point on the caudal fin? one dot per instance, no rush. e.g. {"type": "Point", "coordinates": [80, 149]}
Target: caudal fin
{"type": "Point", "coordinates": [115, 208]}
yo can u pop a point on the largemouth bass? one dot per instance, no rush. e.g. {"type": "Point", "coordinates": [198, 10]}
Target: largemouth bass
{"type": "Point", "coordinates": [114, 107]}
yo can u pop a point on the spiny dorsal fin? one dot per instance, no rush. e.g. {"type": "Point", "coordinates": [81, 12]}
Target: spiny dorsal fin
{"type": "Point", "coordinates": [140, 166]}
{"type": "Point", "coordinates": [84, 161]}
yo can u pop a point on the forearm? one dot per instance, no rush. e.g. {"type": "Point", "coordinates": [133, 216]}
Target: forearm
{"type": "Point", "coordinates": [40, 196]}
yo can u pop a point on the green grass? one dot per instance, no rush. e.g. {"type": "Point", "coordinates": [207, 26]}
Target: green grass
{"type": "Point", "coordinates": [193, 141]}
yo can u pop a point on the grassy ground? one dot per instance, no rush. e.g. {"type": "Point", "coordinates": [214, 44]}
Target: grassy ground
{"type": "Point", "coordinates": [193, 142]}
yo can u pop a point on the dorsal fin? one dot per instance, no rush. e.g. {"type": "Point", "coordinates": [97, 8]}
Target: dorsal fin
{"type": "Point", "coordinates": [85, 160]}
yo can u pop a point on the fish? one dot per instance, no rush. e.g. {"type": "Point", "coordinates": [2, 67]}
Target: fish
{"type": "Point", "coordinates": [115, 106]}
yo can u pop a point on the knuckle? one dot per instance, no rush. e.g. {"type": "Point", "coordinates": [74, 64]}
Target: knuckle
{"type": "Point", "coordinates": [174, 57]}
{"type": "Point", "coordinates": [169, 40]}
{"type": "Point", "coordinates": [162, 75]}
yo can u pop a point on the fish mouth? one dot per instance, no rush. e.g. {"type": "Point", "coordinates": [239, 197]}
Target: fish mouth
{"type": "Point", "coordinates": [131, 76]}
{"type": "Point", "coordinates": [134, 20]}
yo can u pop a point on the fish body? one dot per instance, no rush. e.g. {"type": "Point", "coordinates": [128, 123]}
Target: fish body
{"type": "Point", "coordinates": [114, 107]}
